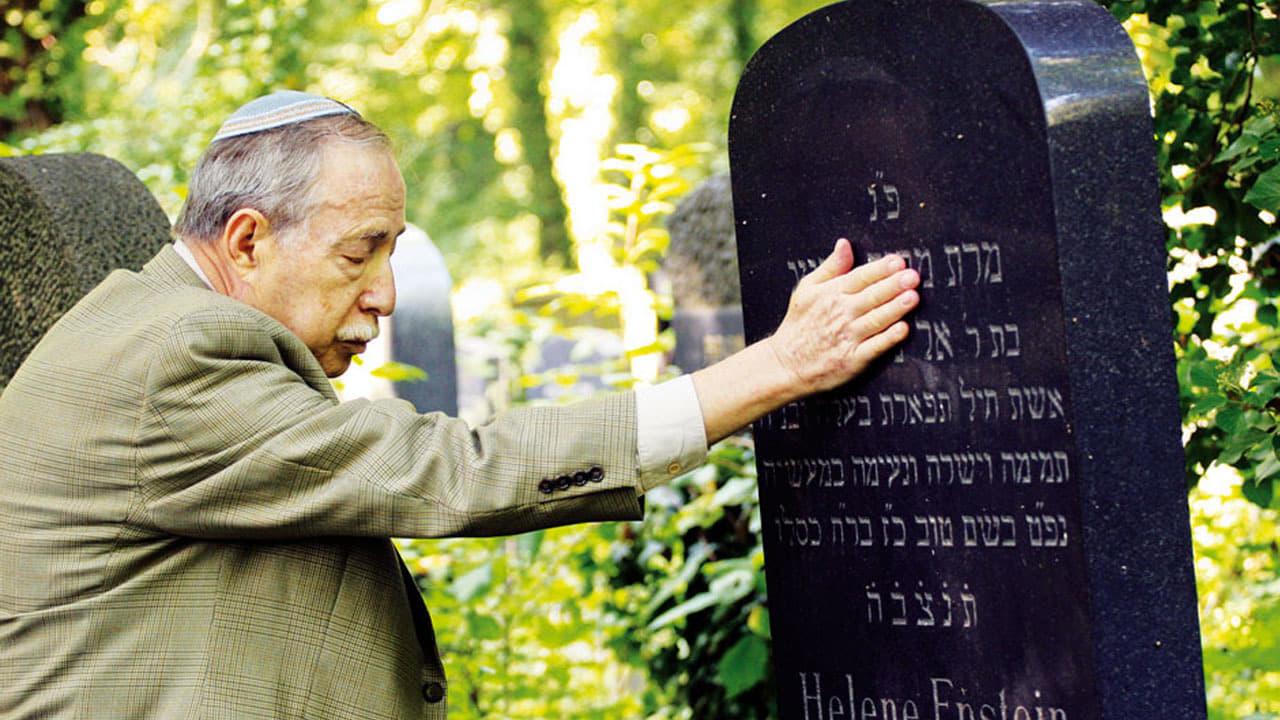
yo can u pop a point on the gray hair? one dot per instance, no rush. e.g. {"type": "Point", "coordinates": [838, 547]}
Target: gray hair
{"type": "Point", "coordinates": [273, 171]}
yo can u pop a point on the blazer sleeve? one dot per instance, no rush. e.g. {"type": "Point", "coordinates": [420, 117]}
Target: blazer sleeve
{"type": "Point", "coordinates": [232, 443]}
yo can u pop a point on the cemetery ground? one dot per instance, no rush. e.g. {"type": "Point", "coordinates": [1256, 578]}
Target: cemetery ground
{"type": "Point", "coordinates": [544, 145]}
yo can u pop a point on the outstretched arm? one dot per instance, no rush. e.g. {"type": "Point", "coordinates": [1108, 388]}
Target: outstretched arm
{"type": "Point", "coordinates": [840, 319]}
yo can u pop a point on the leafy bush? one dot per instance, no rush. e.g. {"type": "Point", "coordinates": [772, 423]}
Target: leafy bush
{"type": "Point", "coordinates": [691, 585]}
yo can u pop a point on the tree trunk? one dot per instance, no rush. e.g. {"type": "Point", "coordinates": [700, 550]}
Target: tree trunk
{"type": "Point", "coordinates": [743, 13]}
{"type": "Point", "coordinates": [528, 35]}
{"type": "Point", "coordinates": [629, 115]}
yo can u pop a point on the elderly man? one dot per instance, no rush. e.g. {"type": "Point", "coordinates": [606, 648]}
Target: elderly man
{"type": "Point", "coordinates": [192, 526]}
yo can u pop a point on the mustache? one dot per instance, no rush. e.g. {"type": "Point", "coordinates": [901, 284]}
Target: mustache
{"type": "Point", "coordinates": [358, 333]}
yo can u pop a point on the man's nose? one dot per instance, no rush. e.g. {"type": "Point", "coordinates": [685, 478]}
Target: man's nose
{"type": "Point", "coordinates": [380, 297]}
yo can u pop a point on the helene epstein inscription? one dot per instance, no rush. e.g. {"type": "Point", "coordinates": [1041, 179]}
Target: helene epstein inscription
{"type": "Point", "coordinates": [992, 524]}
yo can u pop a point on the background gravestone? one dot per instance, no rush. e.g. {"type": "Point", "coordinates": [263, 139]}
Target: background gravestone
{"type": "Point", "coordinates": [65, 222]}
{"type": "Point", "coordinates": [992, 523]}
{"type": "Point", "coordinates": [422, 324]}
{"type": "Point", "coordinates": [701, 264]}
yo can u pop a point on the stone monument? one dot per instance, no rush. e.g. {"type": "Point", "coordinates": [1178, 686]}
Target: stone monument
{"type": "Point", "coordinates": [991, 524]}
{"type": "Point", "coordinates": [702, 266]}
{"type": "Point", "coordinates": [65, 222]}
{"type": "Point", "coordinates": [422, 325]}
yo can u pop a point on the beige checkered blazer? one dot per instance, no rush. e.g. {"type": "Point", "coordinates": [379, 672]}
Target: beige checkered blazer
{"type": "Point", "coordinates": [192, 526]}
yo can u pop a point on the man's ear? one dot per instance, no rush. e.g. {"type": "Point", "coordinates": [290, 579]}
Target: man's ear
{"type": "Point", "coordinates": [242, 237]}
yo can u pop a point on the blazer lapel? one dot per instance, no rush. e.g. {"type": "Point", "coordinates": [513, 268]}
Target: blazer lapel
{"type": "Point", "coordinates": [421, 618]}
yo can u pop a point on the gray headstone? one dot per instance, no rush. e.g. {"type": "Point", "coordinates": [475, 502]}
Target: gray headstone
{"type": "Point", "coordinates": [992, 523]}
{"type": "Point", "coordinates": [422, 324]}
{"type": "Point", "coordinates": [65, 222]}
{"type": "Point", "coordinates": [702, 258]}
{"type": "Point", "coordinates": [702, 266]}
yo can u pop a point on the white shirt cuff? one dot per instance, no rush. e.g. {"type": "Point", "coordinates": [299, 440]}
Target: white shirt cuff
{"type": "Point", "coordinates": [671, 437]}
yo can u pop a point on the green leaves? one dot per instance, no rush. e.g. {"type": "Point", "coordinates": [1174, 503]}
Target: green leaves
{"type": "Point", "coordinates": [1204, 374]}
{"type": "Point", "coordinates": [1265, 193]}
{"type": "Point", "coordinates": [473, 584]}
{"type": "Point", "coordinates": [399, 372]}
{"type": "Point", "coordinates": [483, 627]}
{"type": "Point", "coordinates": [695, 571]}
{"type": "Point", "coordinates": [744, 666]}
{"type": "Point", "coordinates": [1238, 401]}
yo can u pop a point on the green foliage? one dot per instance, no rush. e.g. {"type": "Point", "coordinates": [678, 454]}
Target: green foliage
{"type": "Point", "coordinates": [523, 628]}
{"type": "Point", "coordinates": [648, 185]}
{"type": "Point", "coordinates": [40, 46]}
{"type": "Point", "coordinates": [399, 372]}
{"type": "Point", "coordinates": [1236, 549]}
{"type": "Point", "coordinates": [691, 582]}
{"type": "Point", "coordinates": [1234, 408]}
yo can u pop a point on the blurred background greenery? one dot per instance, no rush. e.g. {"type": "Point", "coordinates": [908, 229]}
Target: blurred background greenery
{"type": "Point", "coordinates": [544, 142]}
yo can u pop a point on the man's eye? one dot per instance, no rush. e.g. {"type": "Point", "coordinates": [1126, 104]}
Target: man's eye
{"type": "Point", "coordinates": [354, 260]}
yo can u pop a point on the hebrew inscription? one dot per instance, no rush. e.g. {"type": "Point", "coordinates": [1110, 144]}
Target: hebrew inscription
{"type": "Point", "coordinates": [938, 493]}
{"type": "Point", "coordinates": [990, 494]}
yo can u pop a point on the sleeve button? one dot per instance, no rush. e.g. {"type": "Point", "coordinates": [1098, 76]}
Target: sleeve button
{"type": "Point", "coordinates": [596, 474]}
{"type": "Point", "coordinates": [432, 692]}
{"type": "Point", "coordinates": [674, 468]}
{"type": "Point", "coordinates": [580, 478]}
{"type": "Point", "coordinates": [546, 486]}
{"type": "Point", "coordinates": [563, 482]}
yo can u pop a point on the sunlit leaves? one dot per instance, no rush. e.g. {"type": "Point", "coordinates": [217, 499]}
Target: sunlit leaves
{"type": "Point", "coordinates": [644, 182]}
{"type": "Point", "coordinates": [1236, 550]}
{"type": "Point", "coordinates": [1241, 401]}
{"type": "Point", "coordinates": [474, 583]}
{"type": "Point", "coordinates": [399, 372]}
{"type": "Point", "coordinates": [694, 577]}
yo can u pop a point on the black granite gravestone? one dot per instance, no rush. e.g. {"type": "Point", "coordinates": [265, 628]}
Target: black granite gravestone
{"type": "Point", "coordinates": [992, 524]}
{"type": "Point", "coordinates": [422, 324]}
{"type": "Point", "coordinates": [702, 266]}
{"type": "Point", "coordinates": [65, 222]}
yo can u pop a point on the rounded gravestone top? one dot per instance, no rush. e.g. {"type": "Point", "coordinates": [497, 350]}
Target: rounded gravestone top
{"type": "Point", "coordinates": [702, 259]}
{"type": "Point", "coordinates": [65, 222]}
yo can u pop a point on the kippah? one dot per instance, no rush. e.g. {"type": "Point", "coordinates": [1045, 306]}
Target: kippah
{"type": "Point", "coordinates": [284, 107]}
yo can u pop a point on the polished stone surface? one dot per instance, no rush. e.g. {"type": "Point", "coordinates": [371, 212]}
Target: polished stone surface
{"type": "Point", "coordinates": [65, 222]}
{"type": "Point", "coordinates": [995, 518]}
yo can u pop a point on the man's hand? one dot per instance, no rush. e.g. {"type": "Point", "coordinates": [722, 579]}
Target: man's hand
{"type": "Point", "coordinates": [839, 320]}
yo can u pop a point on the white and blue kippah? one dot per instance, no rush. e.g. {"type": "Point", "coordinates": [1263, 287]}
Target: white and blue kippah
{"type": "Point", "coordinates": [284, 107]}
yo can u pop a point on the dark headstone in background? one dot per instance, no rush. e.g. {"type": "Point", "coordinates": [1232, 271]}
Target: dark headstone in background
{"type": "Point", "coordinates": [995, 519]}
{"type": "Point", "coordinates": [702, 258]}
{"type": "Point", "coordinates": [706, 336]}
{"type": "Point", "coordinates": [701, 265]}
{"type": "Point", "coordinates": [422, 324]}
{"type": "Point", "coordinates": [575, 367]}
{"type": "Point", "coordinates": [65, 222]}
